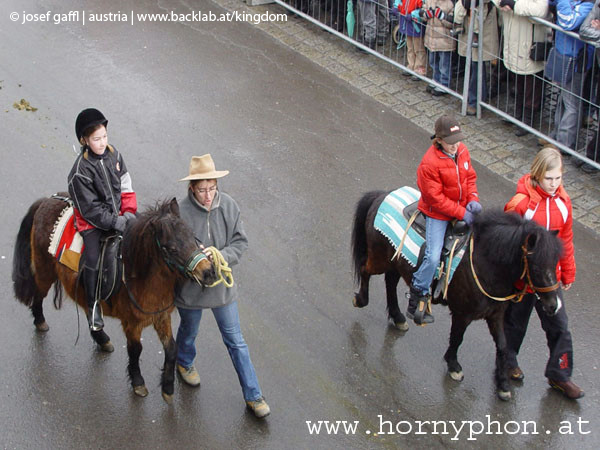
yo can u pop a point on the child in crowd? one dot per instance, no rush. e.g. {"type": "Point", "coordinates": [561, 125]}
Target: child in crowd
{"type": "Point", "coordinates": [439, 42]}
{"type": "Point", "coordinates": [413, 32]}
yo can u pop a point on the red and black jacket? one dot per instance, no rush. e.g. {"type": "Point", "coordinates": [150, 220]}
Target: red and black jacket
{"type": "Point", "coordinates": [101, 189]}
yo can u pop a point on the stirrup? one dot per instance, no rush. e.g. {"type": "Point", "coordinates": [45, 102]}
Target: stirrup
{"type": "Point", "coordinates": [95, 318]}
{"type": "Point", "coordinates": [422, 315]}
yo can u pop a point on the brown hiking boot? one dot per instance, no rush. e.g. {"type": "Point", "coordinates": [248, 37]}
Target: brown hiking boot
{"type": "Point", "coordinates": [419, 308]}
{"type": "Point", "coordinates": [515, 373]}
{"type": "Point", "coordinates": [568, 388]}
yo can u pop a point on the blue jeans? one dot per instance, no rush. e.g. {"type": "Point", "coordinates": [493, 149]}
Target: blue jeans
{"type": "Point", "coordinates": [440, 64]}
{"type": "Point", "coordinates": [434, 235]}
{"type": "Point", "coordinates": [228, 321]}
{"type": "Point", "coordinates": [567, 117]}
{"type": "Point", "coordinates": [472, 98]}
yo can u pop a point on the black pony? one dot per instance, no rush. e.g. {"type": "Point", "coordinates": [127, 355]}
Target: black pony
{"type": "Point", "coordinates": [505, 248]}
{"type": "Point", "coordinates": [158, 249]}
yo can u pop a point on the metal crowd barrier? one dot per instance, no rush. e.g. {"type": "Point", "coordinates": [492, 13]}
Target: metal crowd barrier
{"type": "Point", "coordinates": [344, 18]}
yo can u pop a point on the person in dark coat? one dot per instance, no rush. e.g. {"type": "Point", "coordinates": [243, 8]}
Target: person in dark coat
{"type": "Point", "coordinates": [103, 199]}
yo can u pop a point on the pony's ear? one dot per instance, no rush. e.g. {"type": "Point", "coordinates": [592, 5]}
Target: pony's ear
{"type": "Point", "coordinates": [174, 207]}
{"type": "Point", "coordinates": [531, 241]}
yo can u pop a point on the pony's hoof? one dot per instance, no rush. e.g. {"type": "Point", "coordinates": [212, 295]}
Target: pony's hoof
{"type": "Point", "coordinates": [43, 327]}
{"type": "Point", "coordinates": [167, 398]}
{"type": "Point", "coordinates": [140, 391]}
{"type": "Point", "coordinates": [401, 326]}
{"type": "Point", "coordinates": [107, 347]}
{"type": "Point", "coordinates": [504, 395]}
{"type": "Point", "coordinates": [356, 304]}
{"type": "Point", "coordinates": [456, 376]}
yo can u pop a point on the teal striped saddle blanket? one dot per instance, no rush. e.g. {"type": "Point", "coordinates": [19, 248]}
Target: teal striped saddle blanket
{"type": "Point", "coordinates": [392, 223]}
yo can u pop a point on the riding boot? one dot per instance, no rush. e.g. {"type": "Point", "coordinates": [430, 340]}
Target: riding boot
{"type": "Point", "coordinates": [94, 314]}
{"type": "Point", "coordinates": [419, 308]}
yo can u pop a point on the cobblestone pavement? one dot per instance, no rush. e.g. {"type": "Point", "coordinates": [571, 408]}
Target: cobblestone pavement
{"type": "Point", "coordinates": [491, 141]}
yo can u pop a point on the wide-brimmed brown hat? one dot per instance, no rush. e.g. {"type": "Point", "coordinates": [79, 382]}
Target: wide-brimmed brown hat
{"type": "Point", "coordinates": [203, 168]}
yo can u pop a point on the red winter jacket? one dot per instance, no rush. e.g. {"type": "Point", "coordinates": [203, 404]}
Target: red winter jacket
{"type": "Point", "coordinates": [446, 186]}
{"type": "Point", "coordinates": [553, 212]}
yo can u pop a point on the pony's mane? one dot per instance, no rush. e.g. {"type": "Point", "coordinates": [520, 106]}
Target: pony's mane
{"type": "Point", "coordinates": [139, 244]}
{"type": "Point", "coordinates": [502, 235]}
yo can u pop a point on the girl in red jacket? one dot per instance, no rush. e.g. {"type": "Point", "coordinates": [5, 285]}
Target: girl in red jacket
{"type": "Point", "coordinates": [541, 197]}
{"type": "Point", "coordinates": [448, 185]}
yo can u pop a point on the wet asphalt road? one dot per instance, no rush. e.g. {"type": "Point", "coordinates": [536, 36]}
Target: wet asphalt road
{"type": "Point", "coordinates": [301, 147]}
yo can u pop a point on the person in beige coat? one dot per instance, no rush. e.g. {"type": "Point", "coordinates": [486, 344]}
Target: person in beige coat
{"type": "Point", "coordinates": [489, 40]}
{"type": "Point", "coordinates": [519, 33]}
{"type": "Point", "coordinates": [439, 42]}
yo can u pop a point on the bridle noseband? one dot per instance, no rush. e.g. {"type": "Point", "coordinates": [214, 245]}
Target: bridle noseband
{"type": "Point", "coordinates": [525, 276]}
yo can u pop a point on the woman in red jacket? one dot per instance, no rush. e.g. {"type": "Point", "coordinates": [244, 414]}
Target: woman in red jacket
{"type": "Point", "coordinates": [541, 197]}
{"type": "Point", "coordinates": [448, 185]}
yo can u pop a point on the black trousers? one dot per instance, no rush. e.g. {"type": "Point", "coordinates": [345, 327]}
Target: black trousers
{"type": "Point", "coordinates": [558, 336]}
{"type": "Point", "coordinates": [91, 251]}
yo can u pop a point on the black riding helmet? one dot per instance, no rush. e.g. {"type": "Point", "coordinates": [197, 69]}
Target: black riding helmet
{"type": "Point", "coordinates": [88, 118]}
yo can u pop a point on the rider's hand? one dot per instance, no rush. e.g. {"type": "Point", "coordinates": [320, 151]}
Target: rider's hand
{"type": "Point", "coordinates": [120, 224]}
{"type": "Point", "coordinates": [567, 286]}
{"type": "Point", "coordinates": [474, 207]}
{"type": "Point", "coordinates": [469, 217]}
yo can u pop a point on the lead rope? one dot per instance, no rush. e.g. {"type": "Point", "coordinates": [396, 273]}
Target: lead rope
{"type": "Point", "coordinates": [222, 269]}
{"type": "Point", "coordinates": [519, 295]}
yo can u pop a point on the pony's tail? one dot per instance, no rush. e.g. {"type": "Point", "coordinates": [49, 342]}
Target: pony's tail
{"type": "Point", "coordinates": [359, 231]}
{"type": "Point", "coordinates": [22, 274]}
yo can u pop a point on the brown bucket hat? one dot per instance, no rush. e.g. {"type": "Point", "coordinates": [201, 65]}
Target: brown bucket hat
{"type": "Point", "coordinates": [203, 168]}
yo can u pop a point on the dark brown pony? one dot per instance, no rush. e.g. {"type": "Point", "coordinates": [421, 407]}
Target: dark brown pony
{"type": "Point", "coordinates": [506, 248]}
{"type": "Point", "coordinates": [158, 249]}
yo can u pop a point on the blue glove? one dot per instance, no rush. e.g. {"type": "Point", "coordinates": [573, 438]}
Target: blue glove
{"type": "Point", "coordinates": [474, 207]}
{"type": "Point", "coordinates": [469, 218]}
{"type": "Point", "coordinates": [131, 216]}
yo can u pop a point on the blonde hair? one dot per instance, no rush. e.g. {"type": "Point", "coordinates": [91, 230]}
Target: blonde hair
{"type": "Point", "coordinates": [546, 159]}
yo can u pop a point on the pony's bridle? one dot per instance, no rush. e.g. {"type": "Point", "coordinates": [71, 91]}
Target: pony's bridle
{"type": "Point", "coordinates": [188, 268]}
{"type": "Point", "coordinates": [525, 276]}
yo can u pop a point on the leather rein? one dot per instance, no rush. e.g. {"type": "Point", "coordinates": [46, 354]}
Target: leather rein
{"type": "Point", "coordinates": [525, 276]}
{"type": "Point", "coordinates": [186, 269]}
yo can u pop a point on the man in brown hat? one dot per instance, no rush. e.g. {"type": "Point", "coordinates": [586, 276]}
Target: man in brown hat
{"type": "Point", "coordinates": [215, 220]}
{"type": "Point", "coordinates": [448, 185]}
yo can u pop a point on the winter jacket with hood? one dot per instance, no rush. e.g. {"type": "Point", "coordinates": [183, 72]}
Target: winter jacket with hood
{"type": "Point", "coordinates": [219, 227]}
{"type": "Point", "coordinates": [447, 184]}
{"type": "Point", "coordinates": [101, 190]}
{"type": "Point", "coordinates": [553, 212]}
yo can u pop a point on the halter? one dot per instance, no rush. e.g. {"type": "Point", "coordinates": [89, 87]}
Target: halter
{"type": "Point", "coordinates": [190, 265]}
{"type": "Point", "coordinates": [187, 270]}
{"type": "Point", "coordinates": [518, 296]}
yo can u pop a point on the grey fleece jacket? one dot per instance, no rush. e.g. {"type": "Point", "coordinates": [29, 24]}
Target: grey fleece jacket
{"type": "Point", "coordinates": [221, 227]}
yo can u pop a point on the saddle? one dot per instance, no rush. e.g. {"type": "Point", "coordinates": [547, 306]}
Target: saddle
{"type": "Point", "coordinates": [110, 266]}
{"type": "Point", "coordinates": [456, 237]}
{"type": "Point", "coordinates": [110, 262]}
